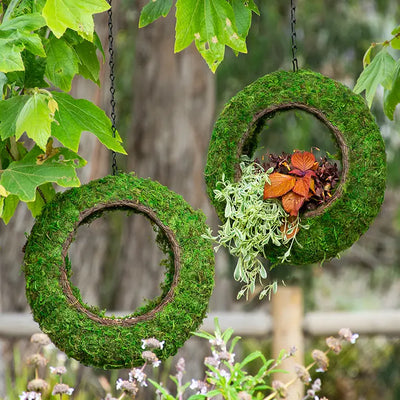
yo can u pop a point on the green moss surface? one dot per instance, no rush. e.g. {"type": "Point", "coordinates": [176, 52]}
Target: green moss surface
{"type": "Point", "coordinates": [114, 346]}
{"type": "Point", "coordinates": [349, 216]}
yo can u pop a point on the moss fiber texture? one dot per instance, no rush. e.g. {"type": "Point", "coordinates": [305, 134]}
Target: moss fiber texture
{"type": "Point", "coordinates": [359, 196]}
{"type": "Point", "coordinates": [116, 342]}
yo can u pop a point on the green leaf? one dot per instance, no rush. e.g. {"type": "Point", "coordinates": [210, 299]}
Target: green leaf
{"type": "Point", "coordinates": [367, 56]}
{"type": "Point", "coordinates": [99, 46]}
{"type": "Point", "coordinates": [242, 16]}
{"type": "Point", "coordinates": [73, 14]}
{"type": "Point", "coordinates": [9, 112]}
{"type": "Point", "coordinates": [24, 23]}
{"type": "Point", "coordinates": [35, 119]}
{"type": "Point", "coordinates": [211, 23]}
{"type": "Point", "coordinates": [253, 6]}
{"type": "Point", "coordinates": [10, 56]}
{"type": "Point", "coordinates": [396, 30]}
{"type": "Point", "coordinates": [380, 71]}
{"type": "Point", "coordinates": [16, 35]}
{"type": "Point", "coordinates": [62, 63]}
{"type": "Point", "coordinates": [189, 18]}
{"type": "Point", "coordinates": [395, 43]}
{"type": "Point", "coordinates": [3, 82]}
{"type": "Point", "coordinates": [78, 115]}
{"type": "Point", "coordinates": [392, 96]}
{"type": "Point", "coordinates": [154, 10]}
{"type": "Point", "coordinates": [48, 192]}
{"type": "Point", "coordinates": [213, 55]}
{"type": "Point", "coordinates": [10, 204]}
{"type": "Point", "coordinates": [220, 23]}
{"type": "Point", "coordinates": [227, 335]}
{"type": "Point", "coordinates": [251, 357]}
{"type": "Point", "coordinates": [21, 178]}
{"type": "Point", "coordinates": [89, 66]}
{"type": "Point", "coordinates": [35, 68]}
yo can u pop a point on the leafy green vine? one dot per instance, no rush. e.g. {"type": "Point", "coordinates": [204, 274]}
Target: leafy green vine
{"type": "Point", "coordinates": [383, 70]}
{"type": "Point", "coordinates": [44, 44]}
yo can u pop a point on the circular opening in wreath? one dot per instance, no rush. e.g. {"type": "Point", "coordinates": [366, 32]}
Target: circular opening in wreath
{"type": "Point", "coordinates": [117, 261]}
{"type": "Point", "coordinates": [146, 312]}
{"type": "Point", "coordinates": [294, 130]}
{"type": "Point", "coordinates": [246, 145]}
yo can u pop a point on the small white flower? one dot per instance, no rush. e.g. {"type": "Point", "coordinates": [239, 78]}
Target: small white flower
{"type": "Point", "coordinates": [200, 386]}
{"type": "Point", "coordinates": [217, 341]}
{"type": "Point", "coordinates": [156, 363]}
{"type": "Point", "coordinates": [152, 343]}
{"type": "Point", "coordinates": [62, 388]}
{"type": "Point", "coordinates": [317, 385]}
{"type": "Point", "coordinates": [118, 384]}
{"type": "Point", "coordinates": [30, 396]}
{"type": "Point", "coordinates": [225, 374]}
{"type": "Point", "coordinates": [126, 386]}
{"type": "Point", "coordinates": [58, 370]}
{"type": "Point", "coordinates": [41, 339]}
{"type": "Point", "coordinates": [354, 337]}
{"type": "Point", "coordinates": [214, 362]}
{"type": "Point", "coordinates": [348, 335]}
{"type": "Point", "coordinates": [194, 384]}
{"type": "Point", "coordinates": [139, 375]}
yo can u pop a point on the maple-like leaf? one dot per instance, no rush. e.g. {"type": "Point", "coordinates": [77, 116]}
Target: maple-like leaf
{"type": "Point", "coordinates": [303, 160]}
{"type": "Point", "coordinates": [302, 185]}
{"type": "Point", "coordinates": [292, 203]}
{"type": "Point", "coordinates": [280, 185]}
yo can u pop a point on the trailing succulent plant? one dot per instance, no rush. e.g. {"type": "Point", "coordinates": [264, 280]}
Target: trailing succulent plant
{"type": "Point", "coordinates": [263, 208]}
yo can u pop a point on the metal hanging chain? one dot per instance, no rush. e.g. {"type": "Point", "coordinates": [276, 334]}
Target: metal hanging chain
{"type": "Point", "coordinates": [293, 29]}
{"type": "Point", "coordinates": [112, 86]}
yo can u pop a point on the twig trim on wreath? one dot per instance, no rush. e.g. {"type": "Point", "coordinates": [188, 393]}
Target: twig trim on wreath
{"type": "Point", "coordinates": [334, 226]}
{"type": "Point", "coordinates": [270, 112]}
{"type": "Point", "coordinates": [85, 334]}
{"type": "Point", "coordinates": [65, 283]}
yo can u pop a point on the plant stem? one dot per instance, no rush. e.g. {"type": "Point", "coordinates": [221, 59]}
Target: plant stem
{"type": "Point", "coordinates": [272, 395]}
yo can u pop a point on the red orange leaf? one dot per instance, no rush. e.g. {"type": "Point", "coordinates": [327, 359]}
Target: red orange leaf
{"type": "Point", "coordinates": [292, 203]}
{"type": "Point", "coordinates": [303, 160]}
{"type": "Point", "coordinates": [280, 184]}
{"type": "Point", "coordinates": [302, 185]}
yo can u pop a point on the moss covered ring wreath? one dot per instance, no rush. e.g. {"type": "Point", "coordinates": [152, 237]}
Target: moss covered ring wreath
{"type": "Point", "coordinates": [337, 224]}
{"type": "Point", "coordinates": [84, 332]}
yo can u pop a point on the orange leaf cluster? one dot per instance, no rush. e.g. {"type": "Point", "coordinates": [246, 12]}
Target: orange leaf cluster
{"type": "Point", "coordinates": [296, 188]}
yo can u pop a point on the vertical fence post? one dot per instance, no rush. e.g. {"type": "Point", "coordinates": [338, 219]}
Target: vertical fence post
{"type": "Point", "coordinates": [287, 314]}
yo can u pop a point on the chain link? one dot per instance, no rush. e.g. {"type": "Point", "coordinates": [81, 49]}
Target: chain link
{"type": "Point", "coordinates": [112, 86]}
{"type": "Point", "coordinates": [293, 29]}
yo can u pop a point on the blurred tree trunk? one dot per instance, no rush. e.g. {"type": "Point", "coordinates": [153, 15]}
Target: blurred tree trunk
{"type": "Point", "coordinates": [172, 118]}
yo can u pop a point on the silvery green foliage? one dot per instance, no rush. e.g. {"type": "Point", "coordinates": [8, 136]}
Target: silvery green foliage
{"type": "Point", "coordinates": [251, 223]}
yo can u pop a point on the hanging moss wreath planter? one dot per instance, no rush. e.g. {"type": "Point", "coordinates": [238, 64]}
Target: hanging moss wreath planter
{"type": "Point", "coordinates": [85, 333]}
{"type": "Point", "coordinates": [338, 223]}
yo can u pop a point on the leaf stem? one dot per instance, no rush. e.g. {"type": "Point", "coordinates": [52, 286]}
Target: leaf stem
{"type": "Point", "coordinates": [41, 195]}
